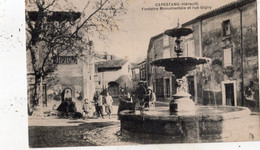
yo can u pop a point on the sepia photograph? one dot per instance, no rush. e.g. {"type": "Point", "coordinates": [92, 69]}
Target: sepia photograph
{"type": "Point", "coordinates": [139, 72]}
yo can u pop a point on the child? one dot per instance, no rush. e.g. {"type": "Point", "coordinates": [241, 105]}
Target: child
{"type": "Point", "coordinates": [86, 109]}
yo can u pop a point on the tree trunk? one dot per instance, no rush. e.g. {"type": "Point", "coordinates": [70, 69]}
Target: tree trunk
{"type": "Point", "coordinates": [35, 95]}
{"type": "Point", "coordinates": [37, 91]}
{"type": "Point", "coordinates": [40, 103]}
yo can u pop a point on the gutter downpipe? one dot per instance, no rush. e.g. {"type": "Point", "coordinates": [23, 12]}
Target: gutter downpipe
{"type": "Point", "coordinates": [201, 55]}
{"type": "Point", "coordinates": [242, 56]}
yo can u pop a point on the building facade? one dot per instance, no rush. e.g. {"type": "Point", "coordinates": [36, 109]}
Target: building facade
{"type": "Point", "coordinates": [71, 71]}
{"type": "Point", "coordinates": [135, 75]}
{"type": "Point", "coordinates": [227, 35]}
{"type": "Point", "coordinates": [112, 75]}
{"type": "Point", "coordinates": [161, 81]}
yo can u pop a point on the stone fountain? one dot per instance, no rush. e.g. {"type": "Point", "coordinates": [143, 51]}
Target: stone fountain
{"type": "Point", "coordinates": [180, 66]}
{"type": "Point", "coordinates": [182, 121]}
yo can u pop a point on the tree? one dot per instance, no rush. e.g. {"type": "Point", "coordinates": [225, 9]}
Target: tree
{"type": "Point", "coordinates": [54, 28]}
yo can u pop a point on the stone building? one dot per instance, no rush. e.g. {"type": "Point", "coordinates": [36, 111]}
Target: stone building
{"type": "Point", "coordinates": [227, 35]}
{"type": "Point", "coordinates": [135, 75]}
{"type": "Point", "coordinates": [160, 46]}
{"type": "Point", "coordinates": [112, 75]}
{"type": "Point", "coordinates": [74, 72]}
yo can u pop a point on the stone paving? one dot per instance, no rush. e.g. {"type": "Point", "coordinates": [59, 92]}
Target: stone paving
{"type": "Point", "coordinates": [53, 132]}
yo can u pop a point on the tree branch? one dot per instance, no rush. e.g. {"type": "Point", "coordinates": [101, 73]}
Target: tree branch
{"type": "Point", "coordinates": [85, 21]}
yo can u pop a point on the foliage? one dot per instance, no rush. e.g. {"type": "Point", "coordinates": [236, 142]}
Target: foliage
{"type": "Point", "coordinates": [54, 28]}
{"type": "Point", "coordinates": [229, 71]}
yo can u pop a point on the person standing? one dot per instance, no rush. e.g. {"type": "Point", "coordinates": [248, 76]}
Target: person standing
{"type": "Point", "coordinates": [87, 109]}
{"type": "Point", "coordinates": [109, 102]}
{"type": "Point", "coordinates": [152, 97]}
{"type": "Point", "coordinates": [100, 106]}
{"type": "Point", "coordinates": [95, 99]}
{"type": "Point", "coordinates": [125, 102]}
{"type": "Point", "coordinates": [141, 93]}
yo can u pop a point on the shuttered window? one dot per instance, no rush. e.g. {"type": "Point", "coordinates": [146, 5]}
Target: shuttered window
{"type": "Point", "coordinates": [227, 57]}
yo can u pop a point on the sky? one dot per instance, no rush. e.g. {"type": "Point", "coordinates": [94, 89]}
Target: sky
{"type": "Point", "coordinates": [138, 26]}
{"type": "Point", "coordinates": [132, 38]}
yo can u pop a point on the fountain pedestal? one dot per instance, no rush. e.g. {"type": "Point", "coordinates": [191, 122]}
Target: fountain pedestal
{"type": "Point", "coordinates": [182, 103]}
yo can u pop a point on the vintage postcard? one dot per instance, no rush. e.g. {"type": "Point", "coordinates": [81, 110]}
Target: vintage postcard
{"type": "Point", "coordinates": [138, 72]}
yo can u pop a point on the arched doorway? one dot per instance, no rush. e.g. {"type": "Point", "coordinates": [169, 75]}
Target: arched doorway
{"type": "Point", "coordinates": [67, 94]}
{"type": "Point", "coordinates": [113, 88]}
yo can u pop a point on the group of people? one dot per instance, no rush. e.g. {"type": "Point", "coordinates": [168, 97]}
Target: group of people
{"type": "Point", "coordinates": [95, 107]}
{"type": "Point", "coordinates": [143, 94]}
{"type": "Point", "coordinates": [102, 103]}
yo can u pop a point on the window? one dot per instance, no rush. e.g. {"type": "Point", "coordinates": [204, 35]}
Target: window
{"type": "Point", "coordinates": [159, 87]}
{"type": "Point", "coordinates": [158, 45]}
{"type": "Point", "coordinates": [167, 82]}
{"type": "Point", "coordinates": [166, 53]}
{"type": "Point", "coordinates": [226, 28]}
{"type": "Point", "coordinates": [227, 57]}
{"type": "Point", "coordinates": [165, 40]}
{"type": "Point", "coordinates": [189, 49]}
{"type": "Point", "coordinates": [65, 60]}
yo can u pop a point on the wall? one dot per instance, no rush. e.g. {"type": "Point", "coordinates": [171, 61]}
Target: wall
{"type": "Point", "coordinates": [108, 76]}
{"type": "Point", "coordinates": [213, 44]}
{"type": "Point", "coordinates": [161, 47]}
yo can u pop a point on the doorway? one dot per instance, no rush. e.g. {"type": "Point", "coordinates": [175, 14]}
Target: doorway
{"type": "Point", "coordinates": [167, 89]}
{"type": "Point", "coordinates": [113, 89]}
{"type": "Point", "coordinates": [229, 93]}
{"type": "Point", "coordinates": [191, 87]}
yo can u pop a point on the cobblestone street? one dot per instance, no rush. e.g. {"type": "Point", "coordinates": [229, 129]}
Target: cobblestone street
{"type": "Point", "coordinates": [51, 132]}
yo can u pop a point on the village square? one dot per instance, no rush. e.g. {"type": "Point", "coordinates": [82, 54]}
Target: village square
{"type": "Point", "coordinates": [196, 81]}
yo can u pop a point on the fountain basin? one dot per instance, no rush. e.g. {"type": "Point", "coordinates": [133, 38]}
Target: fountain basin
{"type": "Point", "coordinates": [207, 124]}
{"type": "Point", "coordinates": [180, 65]}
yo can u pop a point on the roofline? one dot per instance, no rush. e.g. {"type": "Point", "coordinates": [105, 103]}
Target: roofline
{"type": "Point", "coordinates": [219, 10]}
{"type": "Point", "coordinates": [105, 69]}
{"type": "Point", "coordinates": [157, 36]}
{"type": "Point", "coordinates": [97, 63]}
{"type": "Point", "coordinates": [141, 62]}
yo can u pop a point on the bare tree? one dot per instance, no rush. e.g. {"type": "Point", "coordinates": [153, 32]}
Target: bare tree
{"type": "Point", "coordinates": [54, 30]}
